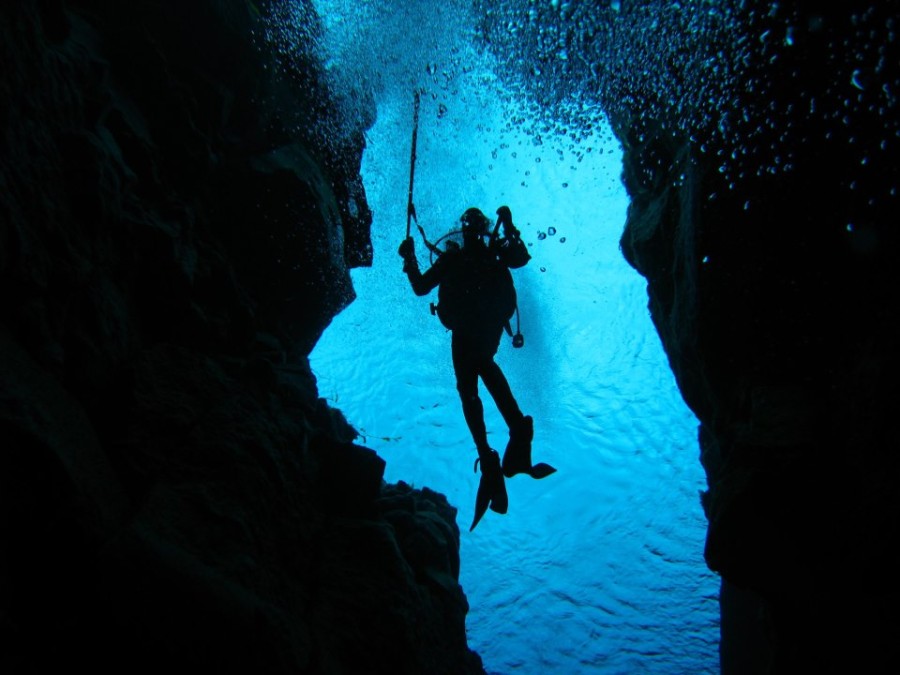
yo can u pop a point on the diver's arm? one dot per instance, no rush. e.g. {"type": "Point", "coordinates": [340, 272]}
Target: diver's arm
{"type": "Point", "coordinates": [421, 283]}
{"type": "Point", "coordinates": [509, 249]}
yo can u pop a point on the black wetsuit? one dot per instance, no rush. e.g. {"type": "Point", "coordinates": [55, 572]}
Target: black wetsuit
{"type": "Point", "coordinates": [462, 275]}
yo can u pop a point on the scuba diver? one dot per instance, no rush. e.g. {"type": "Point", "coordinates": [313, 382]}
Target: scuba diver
{"type": "Point", "coordinates": [476, 300]}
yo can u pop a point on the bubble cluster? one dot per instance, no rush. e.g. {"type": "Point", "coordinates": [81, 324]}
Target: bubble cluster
{"type": "Point", "coordinates": [753, 84]}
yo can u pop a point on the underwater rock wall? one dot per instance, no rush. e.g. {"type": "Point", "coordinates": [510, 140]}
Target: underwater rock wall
{"type": "Point", "coordinates": [176, 226]}
{"type": "Point", "coordinates": [773, 291]}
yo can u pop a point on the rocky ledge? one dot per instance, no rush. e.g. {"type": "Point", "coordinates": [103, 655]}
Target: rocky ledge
{"type": "Point", "coordinates": [180, 209]}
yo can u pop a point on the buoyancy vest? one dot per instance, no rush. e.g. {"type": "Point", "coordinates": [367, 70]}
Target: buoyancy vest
{"type": "Point", "coordinates": [476, 291]}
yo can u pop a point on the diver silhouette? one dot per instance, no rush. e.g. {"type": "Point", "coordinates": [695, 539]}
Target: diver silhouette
{"type": "Point", "coordinates": [476, 300]}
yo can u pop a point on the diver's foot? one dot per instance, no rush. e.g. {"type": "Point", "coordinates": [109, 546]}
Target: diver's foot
{"type": "Point", "coordinates": [491, 488]}
{"type": "Point", "coordinates": [517, 457]}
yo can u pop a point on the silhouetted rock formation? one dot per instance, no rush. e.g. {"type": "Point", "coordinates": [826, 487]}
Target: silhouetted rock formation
{"type": "Point", "coordinates": [178, 217]}
{"type": "Point", "coordinates": [179, 211]}
{"type": "Point", "coordinates": [775, 298]}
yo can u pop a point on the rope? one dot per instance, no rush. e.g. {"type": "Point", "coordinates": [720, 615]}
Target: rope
{"type": "Point", "coordinates": [410, 208]}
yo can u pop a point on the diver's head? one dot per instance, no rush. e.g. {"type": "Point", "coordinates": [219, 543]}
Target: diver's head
{"type": "Point", "coordinates": [474, 224]}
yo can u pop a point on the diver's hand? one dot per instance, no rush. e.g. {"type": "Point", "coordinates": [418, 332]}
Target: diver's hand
{"type": "Point", "coordinates": [407, 249]}
{"type": "Point", "coordinates": [505, 216]}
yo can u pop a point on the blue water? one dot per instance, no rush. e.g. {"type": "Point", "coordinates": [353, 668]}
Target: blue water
{"type": "Point", "coordinates": [598, 568]}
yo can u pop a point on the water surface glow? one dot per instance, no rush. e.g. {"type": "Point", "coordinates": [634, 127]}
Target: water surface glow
{"type": "Point", "coordinates": [599, 567]}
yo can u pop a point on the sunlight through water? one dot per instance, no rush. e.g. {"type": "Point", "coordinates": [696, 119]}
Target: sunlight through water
{"type": "Point", "coordinates": [599, 567]}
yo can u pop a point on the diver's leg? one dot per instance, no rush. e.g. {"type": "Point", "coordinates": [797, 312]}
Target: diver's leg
{"type": "Point", "coordinates": [517, 456]}
{"type": "Point", "coordinates": [491, 487]}
{"type": "Point", "coordinates": [498, 387]}
{"type": "Point", "coordinates": [494, 379]}
{"type": "Point", "coordinates": [466, 371]}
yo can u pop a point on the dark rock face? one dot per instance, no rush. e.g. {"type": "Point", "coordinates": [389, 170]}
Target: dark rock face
{"type": "Point", "coordinates": [176, 230]}
{"type": "Point", "coordinates": [777, 307]}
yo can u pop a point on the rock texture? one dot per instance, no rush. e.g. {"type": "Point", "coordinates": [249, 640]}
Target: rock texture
{"type": "Point", "coordinates": [179, 212]}
{"type": "Point", "coordinates": [775, 298]}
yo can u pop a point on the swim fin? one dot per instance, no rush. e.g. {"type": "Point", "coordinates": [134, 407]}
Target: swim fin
{"type": "Point", "coordinates": [491, 488]}
{"type": "Point", "coordinates": [517, 457]}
